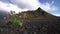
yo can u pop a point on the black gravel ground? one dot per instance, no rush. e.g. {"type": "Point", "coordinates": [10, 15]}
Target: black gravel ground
{"type": "Point", "coordinates": [33, 26]}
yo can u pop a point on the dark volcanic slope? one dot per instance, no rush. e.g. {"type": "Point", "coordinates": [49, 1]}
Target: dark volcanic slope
{"type": "Point", "coordinates": [37, 14]}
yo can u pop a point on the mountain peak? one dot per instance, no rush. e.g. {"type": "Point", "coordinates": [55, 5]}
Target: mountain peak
{"type": "Point", "coordinates": [39, 8]}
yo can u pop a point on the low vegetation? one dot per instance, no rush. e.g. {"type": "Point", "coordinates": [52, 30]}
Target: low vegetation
{"type": "Point", "coordinates": [14, 20]}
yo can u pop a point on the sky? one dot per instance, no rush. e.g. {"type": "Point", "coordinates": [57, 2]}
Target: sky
{"type": "Point", "coordinates": [50, 6]}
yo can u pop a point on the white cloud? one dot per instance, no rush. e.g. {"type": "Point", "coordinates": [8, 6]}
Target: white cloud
{"type": "Point", "coordinates": [23, 5]}
{"type": "Point", "coordinates": [57, 15]}
{"type": "Point", "coordinates": [34, 4]}
{"type": "Point", "coordinates": [48, 7]}
{"type": "Point", "coordinates": [9, 7]}
{"type": "Point", "coordinates": [29, 4]}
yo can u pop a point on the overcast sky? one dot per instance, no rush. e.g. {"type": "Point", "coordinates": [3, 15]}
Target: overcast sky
{"type": "Point", "coordinates": [51, 6]}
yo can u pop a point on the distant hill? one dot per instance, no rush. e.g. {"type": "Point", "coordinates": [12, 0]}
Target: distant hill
{"type": "Point", "coordinates": [3, 14]}
{"type": "Point", "coordinates": [36, 14]}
